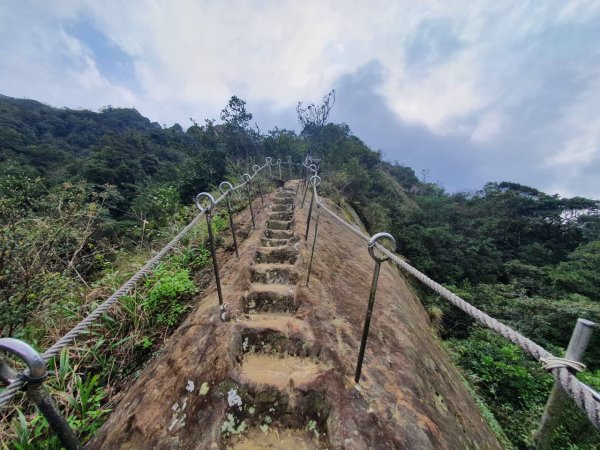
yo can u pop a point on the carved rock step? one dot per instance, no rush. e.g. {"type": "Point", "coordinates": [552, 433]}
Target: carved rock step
{"type": "Point", "coordinates": [283, 201]}
{"type": "Point", "coordinates": [266, 242]}
{"type": "Point", "coordinates": [273, 274]}
{"type": "Point", "coordinates": [270, 298]}
{"type": "Point", "coordinates": [281, 438]}
{"type": "Point", "coordinates": [280, 224]}
{"type": "Point", "coordinates": [279, 372]}
{"type": "Point", "coordinates": [288, 215]}
{"type": "Point", "coordinates": [277, 255]}
{"type": "Point", "coordinates": [288, 196]}
{"type": "Point", "coordinates": [284, 324]}
{"type": "Point", "coordinates": [279, 234]}
{"type": "Point", "coordinates": [282, 208]}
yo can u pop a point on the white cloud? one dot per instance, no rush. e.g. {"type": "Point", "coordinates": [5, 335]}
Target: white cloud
{"type": "Point", "coordinates": [471, 73]}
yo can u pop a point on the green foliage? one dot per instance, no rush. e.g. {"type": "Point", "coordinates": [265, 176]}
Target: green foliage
{"type": "Point", "coordinates": [78, 185]}
{"type": "Point", "coordinates": [83, 401]}
{"type": "Point", "coordinates": [510, 382]}
{"type": "Point", "coordinates": [580, 273]}
{"type": "Point", "coordinates": [170, 287]}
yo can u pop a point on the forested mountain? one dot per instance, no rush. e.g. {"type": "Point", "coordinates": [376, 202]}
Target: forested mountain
{"type": "Point", "coordinates": [84, 193]}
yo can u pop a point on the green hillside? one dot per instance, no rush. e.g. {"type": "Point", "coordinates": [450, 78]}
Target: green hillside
{"type": "Point", "coordinates": [86, 197]}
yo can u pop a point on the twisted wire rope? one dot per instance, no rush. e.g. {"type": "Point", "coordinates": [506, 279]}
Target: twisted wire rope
{"type": "Point", "coordinates": [11, 390]}
{"type": "Point", "coordinates": [584, 397]}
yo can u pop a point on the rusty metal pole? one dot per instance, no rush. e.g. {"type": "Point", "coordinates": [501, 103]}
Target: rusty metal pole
{"type": "Point", "coordinates": [300, 179]}
{"type": "Point", "coordinates": [35, 390]}
{"type": "Point", "coordinates": [246, 177]}
{"type": "Point", "coordinates": [315, 180]}
{"type": "Point", "coordinates": [314, 244]}
{"type": "Point", "coordinates": [229, 186]}
{"type": "Point", "coordinates": [313, 168]}
{"type": "Point", "coordinates": [378, 261]}
{"type": "Point", "coordinates": [213, 250]}
{"type": "Point", "coordinates": [256, 169]}
{"type": "Point", "coordinates": [269, 161]}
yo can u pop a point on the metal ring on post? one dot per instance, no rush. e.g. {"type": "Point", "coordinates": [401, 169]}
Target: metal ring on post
{"type": "Point", "coordinates": [246, 178]}
{"type": "Point", "coordinates": [315, 180]}
{"type": "Point", "coordinates": [313, 168]}
{"type": "Point", "coordinates": [36, 392]}
{"type": "Point", "coordinates": [269, 160]}
{"type": "Point", "coordinates": [373, 241]}
{"type": "Point", "coordinates": [199, 205]}
{"type": "Point", "coordinates": [255, 168]}
{"type": "Point", "coordinates": [35, 363]}
{"type": "Point", "coordinates": [223, 184]}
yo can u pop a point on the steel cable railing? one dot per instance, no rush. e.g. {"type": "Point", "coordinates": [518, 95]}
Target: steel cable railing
{"type": "Point", "coordinates": [9, 391]}
{"type": "Point", "coordinates": [584, 397]}
{"type": "Point", "coordinates": [19, 381]}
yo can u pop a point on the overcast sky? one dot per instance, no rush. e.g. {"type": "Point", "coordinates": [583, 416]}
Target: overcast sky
{"type": "Point", "coordinates": [469, 91]}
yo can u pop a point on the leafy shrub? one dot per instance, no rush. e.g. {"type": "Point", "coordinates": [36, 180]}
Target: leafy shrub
{"type": "Point", "coordinates": [169, 289]}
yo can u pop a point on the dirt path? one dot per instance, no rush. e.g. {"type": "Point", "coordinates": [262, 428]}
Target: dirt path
{"type": "Point", "coordinates": [279, 374]}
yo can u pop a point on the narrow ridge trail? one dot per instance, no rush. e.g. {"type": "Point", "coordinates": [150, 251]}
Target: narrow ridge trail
{"type": "Point", "coordinates": [279, 373]}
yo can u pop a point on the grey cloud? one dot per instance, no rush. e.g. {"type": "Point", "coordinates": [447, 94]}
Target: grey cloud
{"type": "Point", "coordinates": [454, 160]}
{"type": "Point", "coordinates": [434, 42]}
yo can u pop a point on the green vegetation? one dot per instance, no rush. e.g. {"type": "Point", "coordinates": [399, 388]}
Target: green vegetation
{"type": "Point", "coordinates": [87, 196]}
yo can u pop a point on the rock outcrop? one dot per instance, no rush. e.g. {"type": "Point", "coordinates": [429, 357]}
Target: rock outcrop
{"type": "Point", "coordinates": [279, 373]}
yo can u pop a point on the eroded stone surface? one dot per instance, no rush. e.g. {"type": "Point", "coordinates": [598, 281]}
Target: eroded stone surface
{"type": "Point", "coordinates": [410, 396]}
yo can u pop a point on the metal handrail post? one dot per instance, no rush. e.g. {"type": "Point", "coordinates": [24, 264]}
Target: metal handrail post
{"type": "Point", "coordinates": [231, 225]}
{"type": "Point", "coordinates": [269, 161]}
{"type": "Point", "coordinates": [38, 372]}
{"type": "Point", "coordinates": [558, 399]}
{"type": "Point", "coordinates": [208, 213]}
{"type": "Point", "coordinates": [378, 261]}
{"type": "Point", "coordinates": [246, 177]}
{"type": "Point", "coordinates": [256, 169]}
{"type": "Point", "coordinates": [315, 180]}
{"type": "Point", "coordinates": [314, 244]}
{"type": "Point", "coordinates": [300, 180]}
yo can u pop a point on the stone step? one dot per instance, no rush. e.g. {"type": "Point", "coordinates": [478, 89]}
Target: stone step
{"type": "Point", "coordinates": [284, 324]}
{"type": "Point", "coordinates": [280, 224]}
{"type": "Point", "coordinates": [277, 255]}
{"type": "Point", "coordinates": [280, 372]}
{"type": "Point", "coordinates": [273, 274]}
{"type": "Point", "coordinates": [279, 234]}
{"type": "Point", "coordinates": [266, 242]}
{"type": "Point", "coordinates": [288, 215]}
{"type": "Point", "coordinates": [270, 298]}
{"type": "Point", "coordinates": [282, 208]}
{"type": "Point", "coordinates": [283, 201]}
{"type": "Point", "coordinates": [282, 438]}
{"type": "Point", "coordinates": [287, 196]}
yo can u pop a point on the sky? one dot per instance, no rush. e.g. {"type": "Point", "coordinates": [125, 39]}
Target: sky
{"type": "Point", "coordinates": [465, 92]}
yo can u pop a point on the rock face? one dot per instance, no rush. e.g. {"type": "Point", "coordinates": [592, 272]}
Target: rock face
{"type": "Point", "coordinates": [279, 374]}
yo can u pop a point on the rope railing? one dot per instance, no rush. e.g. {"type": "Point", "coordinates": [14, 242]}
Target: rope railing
{"type": "Point", "coordinates": [584, 396]}
{"type": "Point", "coordinates": [34, 361]}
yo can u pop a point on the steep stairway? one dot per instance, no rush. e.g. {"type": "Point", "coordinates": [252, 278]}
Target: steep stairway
{"type": "Point", "coordinates": [280, 373]}
{"type": "Point", "coordinates": [278, 363]}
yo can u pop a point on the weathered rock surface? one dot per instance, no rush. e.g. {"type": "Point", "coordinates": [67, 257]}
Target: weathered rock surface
{"type": "Point", "coordinates": [282, 377]}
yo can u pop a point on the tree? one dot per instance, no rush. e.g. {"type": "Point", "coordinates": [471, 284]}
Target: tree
{"type": "Point", "coordinates": [239, 138]}
{"type": "Point", "coordinates": [314, 117]}
{"type": "Point", "coordinates": [581, 272]}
